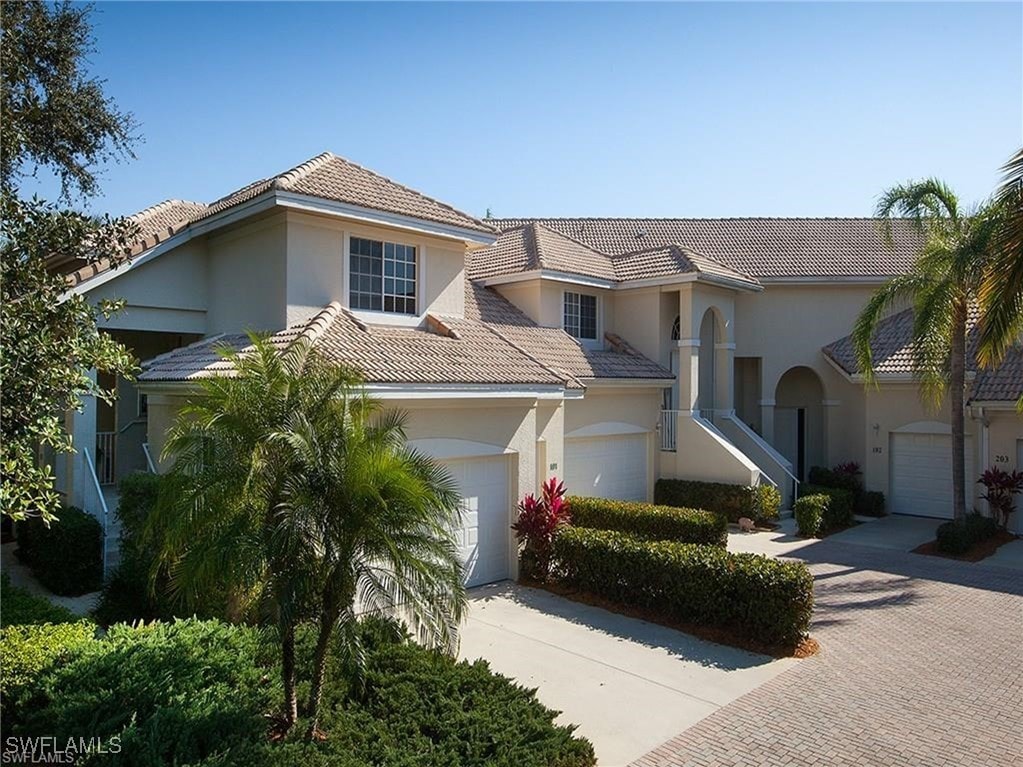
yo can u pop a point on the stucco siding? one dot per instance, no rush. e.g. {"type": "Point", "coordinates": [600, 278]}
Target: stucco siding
{"type": "Point", "coordinates": [247, 278]}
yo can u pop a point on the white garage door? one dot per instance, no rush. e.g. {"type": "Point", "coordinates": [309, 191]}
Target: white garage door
{"type": "Point", "coordinates": [921, 475]}
{"type": "Point", "coordinates": [484, 536]}
{"type": "Point", "coordinates": [607, 467]}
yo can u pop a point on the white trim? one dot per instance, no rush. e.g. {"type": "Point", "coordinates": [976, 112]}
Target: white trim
{"type": "Point", "coordinates": [688, 342]}
{"type": "Point", "coordinates": [766, 402]}
{"type": "Point", "coordinates": [995, 404]}
{"type": "Point", "coordinates": [831, 402]}
{"type": "Point", "coordinates": [444, 448]}
{"type": "Point", "coordinates": [637, 383]}
{"type": "Point", "coordinates": [681, 279]}
{"type": "Point", "coordinates": [549, 274]}
{"type": "Point", "coordinates": [464, 391]}
{"type": "Point", "coordinates": [599, 282]}
{"type": "Point", "coordinates": [371, 317]}
{"type": "Point", "coordinates": [844, 280]}
{"type": "Point", "coordinates": [298, 201]}
{"type": "Point", "coordinates": [725, 346]}
{"type": "Point", "coordinates": [606, 429]}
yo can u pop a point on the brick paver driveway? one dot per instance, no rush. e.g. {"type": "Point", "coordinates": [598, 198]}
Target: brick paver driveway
{"type": "Point", "coordinates": [922, 664]}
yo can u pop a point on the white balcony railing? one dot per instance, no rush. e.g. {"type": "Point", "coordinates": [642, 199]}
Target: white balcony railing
{"type": "Point", "coordinates": [106, 445]}
{"type": "Point", "coordinates": [669, 430]}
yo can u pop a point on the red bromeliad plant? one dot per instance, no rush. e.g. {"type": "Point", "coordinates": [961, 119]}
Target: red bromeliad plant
{"type": "Point", "coordinates": [538, 521]}
{"type": "Point", "coordinates": [1001, 487]}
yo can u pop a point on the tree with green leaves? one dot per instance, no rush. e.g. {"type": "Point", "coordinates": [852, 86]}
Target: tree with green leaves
{"type": "Point", "coordinates": [290, 485]}
{"type": "Point", "coordinates": [941, 288]}
{"type": "Point", "coordinates": [55, 119]}
{"type": "Point", "coordinates": [1001, 292]}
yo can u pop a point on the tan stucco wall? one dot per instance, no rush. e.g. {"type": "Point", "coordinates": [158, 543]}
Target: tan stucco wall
{"type": "Point", "coordinates": [168, 293]}
{"type": "Point", "coordinates": [247, 277]}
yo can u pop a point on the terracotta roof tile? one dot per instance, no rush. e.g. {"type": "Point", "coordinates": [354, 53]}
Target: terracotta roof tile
{"type": "Point", "coordinates": [892, 353]}
{"type": "Point", "coordinates": [761, 247]}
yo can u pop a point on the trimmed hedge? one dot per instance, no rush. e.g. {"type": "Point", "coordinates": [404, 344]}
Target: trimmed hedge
{"type": "Point", "coordinates": [657, 523]}
{"type": "Point", "coordinates": [760, 502]}
{"type": "Point", "coordinates": [872, 504]}
{"type": "Point", "coordinates": [959, 536]}
{"type": "Point", "coordinates": [18, 607]}
{"type": "Point", "coordinates": [839, 511]}
{"type": "Point", "coordinates": [758, 598]}
{"type": "Point", "coordinates": [67, 556]}
{"type": "Point", "coordinates": [809, 512]}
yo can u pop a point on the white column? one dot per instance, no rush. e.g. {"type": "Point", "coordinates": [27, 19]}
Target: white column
{"type": "Point", "coordinates": [688, 375]}
{"type": "Point", "coordinates": [83, 434]}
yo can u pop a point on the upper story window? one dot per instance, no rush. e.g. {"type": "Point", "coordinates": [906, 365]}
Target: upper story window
{"type": "Point", "coordinates": [581, 316]}
{"type": "Point", "coordinates": [382, 276]}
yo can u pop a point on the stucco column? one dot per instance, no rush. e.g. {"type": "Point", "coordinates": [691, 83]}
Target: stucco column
{"type": "Point", "coordinates": [688, 375]}
{"type": "Point", "coordinates": [83, 435]}
{"type": "Point", "coordinates": [724, 378]}
{"type": "Point", "coordinates": [767, 420]}
{"type": "Point", "coordinates": [831, 413]}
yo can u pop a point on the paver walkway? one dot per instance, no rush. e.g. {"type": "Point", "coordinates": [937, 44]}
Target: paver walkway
{"type": "Point", "coordinates": [922, 665]}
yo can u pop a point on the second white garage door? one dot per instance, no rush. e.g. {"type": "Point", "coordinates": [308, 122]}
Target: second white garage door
{"type": "Point", "coordinates": [607, 467]}
{"type": "Point", "coordinates": [485, 535]}
{"type": "Point", "coordinates": [921, 475]}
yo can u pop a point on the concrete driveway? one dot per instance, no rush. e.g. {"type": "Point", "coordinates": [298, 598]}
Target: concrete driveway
{"type": "Point", "coordinates": [629, 685]}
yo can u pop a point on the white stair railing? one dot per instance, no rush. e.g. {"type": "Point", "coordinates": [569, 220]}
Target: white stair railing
{"type": "Point", "coordinates": [669, 430]}
{"type": "Point", "coordinates": [149, 458]}
{"type": "Point", "coordinates": [106, 445]}
{"type": "Point", "coordinates": [100, 503]}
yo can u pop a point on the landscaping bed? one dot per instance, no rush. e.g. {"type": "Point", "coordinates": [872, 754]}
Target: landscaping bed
{"type": "Point", "coordinates": [971, 539]}
{"type": "Point", "coordinates": [744, 599]}
{"type": "Point", "coordinates": [205, 692]}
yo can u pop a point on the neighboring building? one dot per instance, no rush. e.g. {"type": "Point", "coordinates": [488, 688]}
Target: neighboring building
{"type": "Point", "coordinates": [609, 352]}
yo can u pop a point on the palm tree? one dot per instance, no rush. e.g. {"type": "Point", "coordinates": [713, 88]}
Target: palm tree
{"type": "Point", "coordinates": [1001, 293]}
{"type": "Point", "coordinates": [941, 288]}
{"type": "Point", "coordinates": [288, 485]}
{"type": "Point", "coordinates": [383, 514]}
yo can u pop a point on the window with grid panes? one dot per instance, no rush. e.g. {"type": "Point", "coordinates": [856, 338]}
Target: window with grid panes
{"type": "Point", "coordinates": [581, 316]}
{"type": "Point", "coordinates": [382, 276]}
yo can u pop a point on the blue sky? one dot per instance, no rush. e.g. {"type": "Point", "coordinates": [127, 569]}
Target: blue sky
{"type": "Point", "coordinates": [576, 109]}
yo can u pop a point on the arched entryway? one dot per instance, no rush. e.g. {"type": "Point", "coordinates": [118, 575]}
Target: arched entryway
{"type": "Point", "coordinates": [799, 420]}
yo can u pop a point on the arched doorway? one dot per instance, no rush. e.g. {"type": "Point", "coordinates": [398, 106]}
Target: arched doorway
{"type": "Point", "coordinates": [799, 420]}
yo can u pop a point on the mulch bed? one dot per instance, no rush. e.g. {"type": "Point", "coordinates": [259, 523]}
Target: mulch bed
{"type": "Point", "coordinates": [807, 647]}
{"type": "Point", "coordinates": [980, 551]}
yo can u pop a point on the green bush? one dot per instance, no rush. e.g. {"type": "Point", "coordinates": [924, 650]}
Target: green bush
{"type": "Point", "coordinates": [959, 536]}
{"type": "Point", "coordinates": [839, 511]}
{"type": "Point", "coordinates": [27, 651]}
{"type": "Point", "coordinates": [809, 512]}
{"type": "Point", "coordinates": [732, 501]}
{"type": "Point", "coordinates": [754, 597]}
{"type": "Point", "coordinates": [18, 607]}
{"type": "Point", "coordinates": [67, 556]}
{"type": "Point", "coordinates": [660, 523]}
{"type": "Point", "coordinates": [199, 691]}
{"type": "Point", "coordinates": [137, 495]}
{"type": "Point", "coordinates": [871, 504]}
{"type": "Point", "coordinates": [837, 479]}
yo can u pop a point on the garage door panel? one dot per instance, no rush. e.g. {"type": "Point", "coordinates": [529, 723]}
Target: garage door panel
{"type": "Point", "coordinates": [921, 474]}
{"type": "Point", "coordinates": [607, 467]}
{"type": "Point", "coordinates": [483, 535]}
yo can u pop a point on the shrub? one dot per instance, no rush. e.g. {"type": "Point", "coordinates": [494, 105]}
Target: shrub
{"type": "Point", "coordinates": [733, 501]}
{"type": "Point", "coordinates": [959, 536]}
{"type": "Point", "coordinates": [1002, 488]}
{"type": "Point", "coordinates": [754, 597]}
{"type": "Point", "coordinates": [645, 520]}
{"type": "Point", "coordinates": [536, 525]}
{"type": "Point", "coordinates": [767, 502]}
{"type": "Point", "coordinates": [872, 504]}
{"type": "Point", "coordinates": [839, 511]}
{"type": "Point", "coordinates": [845, 476]}
{"type": "Point", "coordinates": [138, 493]}
{"type": "Point", "coordinates": [18, 607]}
{"type": "Point", "coordinates": [200, 692]}
{"type": "Point", "coordinates": [809, 512]}
{"type": "Point", "coordinates": [66, 556]}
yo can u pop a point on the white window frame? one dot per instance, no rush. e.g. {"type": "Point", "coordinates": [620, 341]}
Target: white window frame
{"type": "Point", "coordinates": [381, 316]}
{"type": "Point", "coordinates": [599, 319]}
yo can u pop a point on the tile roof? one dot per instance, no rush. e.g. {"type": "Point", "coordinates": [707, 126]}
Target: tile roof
{"type": "Point", "coordinates": [325, 176]}
{"type": "Point", "coordinates": [493, 344]}
{"type": "Point", "coordinates": [892, 354]}
{"type": "Point", "coordinates": [761, 247]}
{"type": "Point", "coordinates": [535, 246]}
